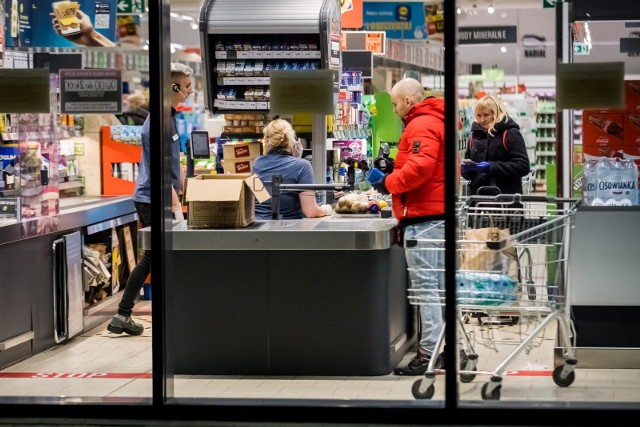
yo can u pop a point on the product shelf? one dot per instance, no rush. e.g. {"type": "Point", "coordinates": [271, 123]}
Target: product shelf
{"type": "Point", "coordinates": [268, 54]}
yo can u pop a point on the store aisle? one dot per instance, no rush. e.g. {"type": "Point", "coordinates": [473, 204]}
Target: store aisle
{"type": "Point", "coordinates": [100, 364]}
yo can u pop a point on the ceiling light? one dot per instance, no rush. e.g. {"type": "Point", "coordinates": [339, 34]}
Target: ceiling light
{"type": "Point", "coordinates": [187, 18]}
{"type": "Point", "coordinates": [490, 9]}
{"type": "Point", "coordinates": [503, 15]}
{"type": "Point", "coordinates": [503, 49]}
{"type": "Point", "coordinates": [194, 26]}
{"type": "Point", "coordinates": [459, 11]}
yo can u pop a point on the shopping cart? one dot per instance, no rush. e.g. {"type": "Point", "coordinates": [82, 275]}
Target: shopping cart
{"type": "Point", "coordinates": [523, 276]}
{"type": "Point", "coordinates": [527, 186]}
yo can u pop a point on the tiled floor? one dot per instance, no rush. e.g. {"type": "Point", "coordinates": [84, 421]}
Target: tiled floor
{"type": "Point", "coordinates": [100, 364]}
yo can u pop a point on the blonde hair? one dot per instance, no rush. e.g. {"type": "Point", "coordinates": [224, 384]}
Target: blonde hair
{"type": "Point", "coordinates": [497, 108]}
{"type": "Point", "coordinates": [178, 68]}
{"type": "Point", "coordinates": [279, 135]}
{"type": "Point", "coordinates": [138, 101]}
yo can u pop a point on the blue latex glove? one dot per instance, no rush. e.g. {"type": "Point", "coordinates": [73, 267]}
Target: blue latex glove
{"type": "Point", "coordinates": [482, 167]}
{"type": "Point", "coordinates": [375, 175]}
{"type": "Point", "coordinates": [468, 168]}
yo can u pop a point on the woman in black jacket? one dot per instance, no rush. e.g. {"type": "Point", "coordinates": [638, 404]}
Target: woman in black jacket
{"type": "Point", "coordinates": [496, 154]}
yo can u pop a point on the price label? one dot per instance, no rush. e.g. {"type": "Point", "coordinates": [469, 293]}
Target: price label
{"type": "Point", "coordinates": [90, 91]}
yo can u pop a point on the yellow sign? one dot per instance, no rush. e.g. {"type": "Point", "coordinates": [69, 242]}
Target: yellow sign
{"type": "Point", "coordinates": [78, 148]}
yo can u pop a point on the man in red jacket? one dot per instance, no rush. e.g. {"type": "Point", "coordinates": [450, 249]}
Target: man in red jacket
{"type": "Point", "coordinates": [417, 188]}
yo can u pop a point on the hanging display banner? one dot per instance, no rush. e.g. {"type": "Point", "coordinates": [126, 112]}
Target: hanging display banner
{"type": "Point", "coordinates": [90, 23]}
{"type": "Point", "coordinates": [90, 91]}
{"type": "Point", "coordinates": [399, 20]}
{"type": "Point", "coordinates": [351, 13]}
{"type": "Point", "coordinates": [481, 35]}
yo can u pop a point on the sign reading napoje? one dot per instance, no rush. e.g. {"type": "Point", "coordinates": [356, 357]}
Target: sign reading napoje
{"type": "Point", "coordinates": [90, 91]}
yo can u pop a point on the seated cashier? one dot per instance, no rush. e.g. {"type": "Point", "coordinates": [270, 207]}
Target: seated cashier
{"type": "Point", "coordinates": [283, 158]}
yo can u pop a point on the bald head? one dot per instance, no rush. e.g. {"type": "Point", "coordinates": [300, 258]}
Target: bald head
{"type": "Point", "coordinates": [405, 94]}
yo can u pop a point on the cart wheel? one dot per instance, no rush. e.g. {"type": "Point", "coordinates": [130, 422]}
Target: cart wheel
{"type": "Point", "coordinates": [428, 393]}
{"type": "Point", "coordinates": [466, 319]}
{"type": "Point", "coordinates": [495, 395]}
{"type": "Point", "coordinates": [563, 382]}
{"type": "Point", "coordinates": [467, 378]}
{"type": "Point", "coordinates": [514, 320]}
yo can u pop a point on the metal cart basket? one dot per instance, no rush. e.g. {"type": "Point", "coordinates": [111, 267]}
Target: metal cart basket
{"type": "Point", "coordinates": [515, 270]}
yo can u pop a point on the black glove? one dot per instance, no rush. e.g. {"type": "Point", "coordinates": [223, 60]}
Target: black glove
{"type": "Point", "coordinates": [380, 187]}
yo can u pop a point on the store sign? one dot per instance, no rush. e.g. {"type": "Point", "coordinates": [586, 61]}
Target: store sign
{"type": "Point", "coordinates": [131, 7]}
{"type": "Point", "coordinates": [90, 91]}
{"type": "Point", "coordinates": [549, 3]}
{"type": "Point", "coordinates": [487, 35]}
{"type": "Point", "coordinates": [581, 48]}
{"type": "Point", "coordinates": [351, 13]}
{"type": "Point", "coordinates": [398, 20]}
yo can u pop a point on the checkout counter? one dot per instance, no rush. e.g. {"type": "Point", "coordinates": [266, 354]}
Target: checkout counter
{"type": "Point", "coordinates": [321, 296]}
{"type": "Point", "coordinates": [35, 314]}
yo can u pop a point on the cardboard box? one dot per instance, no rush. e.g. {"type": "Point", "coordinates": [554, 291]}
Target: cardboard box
{"type": "Point", "coordinates": [237, 165]}
{"type": "Point", "coordinates": [594, 153]}
{"type": "Point", "coordinates": [356, 149]}
{"type": "Point", "coordinates": [632, 96]}
{"type": "Point", "coordinates": [241, 150]}
{"type": "Point", "coordinates": [632, 130]}
{"type": "Point", "coordinates": [633, 153]}
{"type": "Point", "coordinates": [600, 128]}
{"type": "Point", "coordinates": [223, 201]}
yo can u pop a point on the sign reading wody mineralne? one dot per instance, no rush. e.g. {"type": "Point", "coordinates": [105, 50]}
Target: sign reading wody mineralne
{"type": "Point", "coordinates": [480, 35]}
{"type": "Point", "coordinates": [90, 91]}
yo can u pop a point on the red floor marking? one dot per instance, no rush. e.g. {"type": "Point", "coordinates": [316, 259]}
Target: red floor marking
{"type": "Point", "coordinates": [77, 375]}
{"type": "Point", "coordinates": [148, 375]}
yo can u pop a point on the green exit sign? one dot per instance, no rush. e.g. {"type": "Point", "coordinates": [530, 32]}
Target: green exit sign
{"type": "Point", "coordinates": [550, 3]}
{"type": "Point", "coordinates": [130, 7]}
{"type": "Point", "coordinates": [581, 48]}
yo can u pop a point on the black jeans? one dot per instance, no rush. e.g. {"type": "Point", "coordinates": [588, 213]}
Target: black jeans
{"type": "Point", "coordinates": [140, 271]}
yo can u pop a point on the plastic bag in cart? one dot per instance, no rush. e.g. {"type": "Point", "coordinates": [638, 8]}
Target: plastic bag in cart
{"type": "Point", "coordinates": [481, 251]}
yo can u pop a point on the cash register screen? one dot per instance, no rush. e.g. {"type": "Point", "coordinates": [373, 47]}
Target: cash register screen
{"type": "Point", "coordinates": [200, 145]}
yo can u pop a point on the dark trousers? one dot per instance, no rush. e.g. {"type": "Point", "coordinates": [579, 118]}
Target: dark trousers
{"type": "Point", "coordinates": [140, 271]}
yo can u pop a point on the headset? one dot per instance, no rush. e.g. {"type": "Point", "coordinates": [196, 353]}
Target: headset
{"type": "Point", "coordinates": [176, 88]}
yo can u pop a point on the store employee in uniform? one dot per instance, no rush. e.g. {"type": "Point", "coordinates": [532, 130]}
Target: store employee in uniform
{"type": "Point", "coordinates": [180, 90]}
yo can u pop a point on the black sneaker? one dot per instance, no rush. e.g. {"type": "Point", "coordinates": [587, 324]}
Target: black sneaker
{"type": "Point", "coordinates": [128, 326]}
{"type": "Point", "coordinates": [416, 366]}
{"type": "Point", "coordinates": [462, 362]}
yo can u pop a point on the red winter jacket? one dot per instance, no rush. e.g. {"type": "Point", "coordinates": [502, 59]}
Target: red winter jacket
{"type": "Point", "coordinates": [417, 180]}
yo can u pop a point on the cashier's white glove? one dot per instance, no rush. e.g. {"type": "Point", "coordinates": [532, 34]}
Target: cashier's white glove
{"type": "Point", "coordinates": [328, 210]}
{"type": "Point", "coordinates": [177, 213]}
